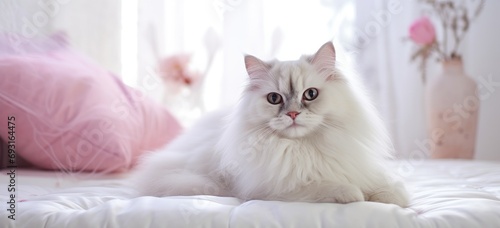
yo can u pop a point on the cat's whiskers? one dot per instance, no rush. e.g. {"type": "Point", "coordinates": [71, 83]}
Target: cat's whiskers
{"type": "Point", "coordinates": [263, 130]}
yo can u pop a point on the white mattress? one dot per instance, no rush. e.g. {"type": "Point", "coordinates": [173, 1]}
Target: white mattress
{"type": "Point", "coordinates": [444, 194]}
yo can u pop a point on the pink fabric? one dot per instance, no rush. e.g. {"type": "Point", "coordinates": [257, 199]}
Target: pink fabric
{"type": "Point", "coordinates": [70, 114]}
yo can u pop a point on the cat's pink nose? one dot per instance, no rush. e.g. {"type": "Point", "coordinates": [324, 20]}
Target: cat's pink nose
{"type": "Point", "coordinates": [293, 114]}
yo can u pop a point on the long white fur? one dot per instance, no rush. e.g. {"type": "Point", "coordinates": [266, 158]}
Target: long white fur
{"type": "Point", "coordinates": [336, 151]}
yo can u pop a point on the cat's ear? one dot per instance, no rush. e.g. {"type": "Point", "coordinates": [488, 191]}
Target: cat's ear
{"type": "Point", "coordinates": [324, 59]}
{"type": "Point", "coordinates": [256, 68]}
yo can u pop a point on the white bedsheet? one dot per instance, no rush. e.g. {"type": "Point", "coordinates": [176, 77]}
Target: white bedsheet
{"type": "Point", "coordinates": [444, 194]}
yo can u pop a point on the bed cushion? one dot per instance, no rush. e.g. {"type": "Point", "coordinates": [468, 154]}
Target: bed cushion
{"type": "Point", "coordinates": [444, 193]}
{"type": "Point", "coordinates": [71, 114]}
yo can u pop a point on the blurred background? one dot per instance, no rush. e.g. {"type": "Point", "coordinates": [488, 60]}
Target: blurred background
{"type": "Point", "coordinates": [188, 54]}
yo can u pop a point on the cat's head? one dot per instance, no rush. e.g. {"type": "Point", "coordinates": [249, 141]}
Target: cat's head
{"type": "Point", "coordinates": [297, 98]}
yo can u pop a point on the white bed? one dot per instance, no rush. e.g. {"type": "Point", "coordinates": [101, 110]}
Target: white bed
{"type": "Point", "coordinates": [445, 193]}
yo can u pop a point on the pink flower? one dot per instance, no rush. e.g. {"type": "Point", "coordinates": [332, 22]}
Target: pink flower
{"type": "Point", "coordinates": [174, 70]}
{"type": "Point", "coordinates": [422, 31]}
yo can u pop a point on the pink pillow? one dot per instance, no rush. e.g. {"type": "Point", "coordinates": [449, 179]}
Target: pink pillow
{"type": "Point", "coordinates": [70, 114]}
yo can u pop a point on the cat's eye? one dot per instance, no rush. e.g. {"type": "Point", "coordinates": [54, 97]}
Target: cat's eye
{"type": "Point", "coordinates": [274, 98]}
{"type": "Point", "coordinates": [310, 94]}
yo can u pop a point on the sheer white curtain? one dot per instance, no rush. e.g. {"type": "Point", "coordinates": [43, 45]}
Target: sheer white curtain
{"type": "Point", "coordinates": [384, 59]}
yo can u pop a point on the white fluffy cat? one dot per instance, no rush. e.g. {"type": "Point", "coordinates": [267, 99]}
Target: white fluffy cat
{"type": "Point", "coordinates": [302, 131]}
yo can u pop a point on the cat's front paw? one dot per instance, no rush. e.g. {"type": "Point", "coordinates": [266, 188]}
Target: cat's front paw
{"type": "Point", "coordinates": [343, 193]}
{"type": "Point", "coordinates": [395, 194]}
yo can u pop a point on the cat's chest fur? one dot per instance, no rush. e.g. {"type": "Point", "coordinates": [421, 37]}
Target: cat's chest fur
{"type": "Point", "coordinates": [266, 164]}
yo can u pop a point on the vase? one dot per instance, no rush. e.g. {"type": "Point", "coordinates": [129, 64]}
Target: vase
{"type": "Point", "coordinates": [452, 107]}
